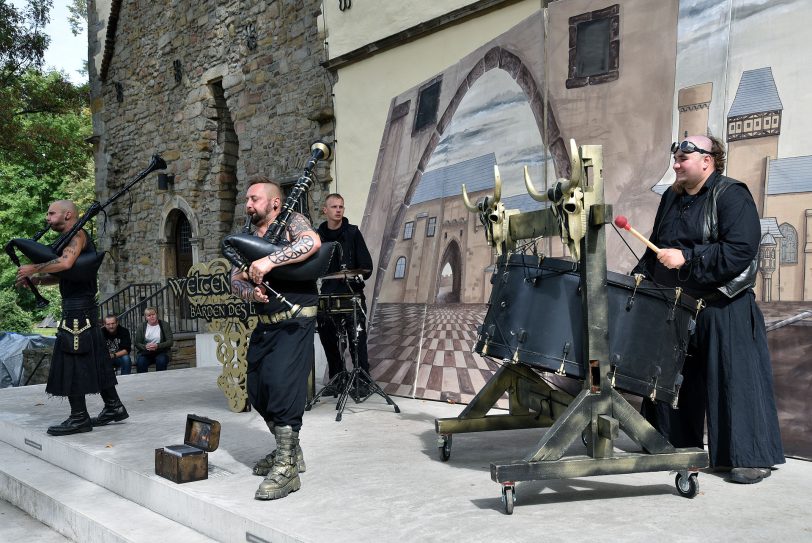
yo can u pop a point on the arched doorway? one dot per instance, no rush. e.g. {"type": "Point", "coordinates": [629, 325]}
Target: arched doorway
{"type": "Point", "coordinates": [449, 276]}
{"type": "Point", "coordinates": [182, 241]}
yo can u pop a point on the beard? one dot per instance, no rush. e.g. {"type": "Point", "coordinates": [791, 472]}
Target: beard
{"type": "Point", "coordinates": [259, 217]}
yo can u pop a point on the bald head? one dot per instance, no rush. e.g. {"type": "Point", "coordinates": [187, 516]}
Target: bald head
{"type": "Point", "coordinates": [61, 215]}
{"type": "Point", "coordinates": [66, 205]}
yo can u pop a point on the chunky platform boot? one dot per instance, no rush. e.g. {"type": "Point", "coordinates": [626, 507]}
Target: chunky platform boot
{"type": "Point", "coordinates": [263, 466]}
{"type": "Point", "coordinates": [283, 478]}
{"type": "Point", "coordinates": [113, 411]}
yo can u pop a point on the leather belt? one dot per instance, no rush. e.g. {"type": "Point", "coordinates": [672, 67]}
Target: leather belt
{"type": "Point", "coordinates": [309, 311]}
{"type": "Point", "coordinates": [714, 296]}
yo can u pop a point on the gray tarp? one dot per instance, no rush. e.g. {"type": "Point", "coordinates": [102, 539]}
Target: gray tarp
{"type": "Point", "coordinates": [12, 346]}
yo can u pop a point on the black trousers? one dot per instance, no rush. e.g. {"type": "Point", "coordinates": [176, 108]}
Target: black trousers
{"type": "Point", "coordinates": [330, 329]}
{"type": "Point", "coordinates": [728, 382]}
{"type": "Point", "coordinates": [279, 360]}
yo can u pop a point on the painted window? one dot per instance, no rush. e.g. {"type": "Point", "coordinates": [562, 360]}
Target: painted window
{"type": "Point", "coordinates": [400, 268]}
{"type": "Point", "coordinates": [408, 230]}
{"type": "Point", "coordinates": [431, 227]}
{"type": "Point", "coordinates": [594, 53]}
{"type": "Point", "coordinates": [428, 101]}
{"type": "Point", "coordinates": [789, 244]}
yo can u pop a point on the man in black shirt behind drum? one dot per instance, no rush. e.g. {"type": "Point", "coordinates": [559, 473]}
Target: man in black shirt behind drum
{"type": "Point", "coordinates": [354, 256]}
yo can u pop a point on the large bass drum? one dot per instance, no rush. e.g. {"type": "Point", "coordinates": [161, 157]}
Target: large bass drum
{"type": "Point", "coordinates": [535, 317]}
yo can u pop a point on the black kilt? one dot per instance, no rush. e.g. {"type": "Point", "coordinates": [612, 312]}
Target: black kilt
{"type": "Point", "coordinates": [80, 363]}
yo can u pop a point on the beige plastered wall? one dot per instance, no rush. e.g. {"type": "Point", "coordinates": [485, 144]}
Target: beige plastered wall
{"type": "Point", "coordinates": [363, 90]}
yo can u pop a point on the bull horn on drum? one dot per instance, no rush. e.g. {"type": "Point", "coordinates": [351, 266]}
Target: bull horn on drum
{"type": "Point", "coordinates": [531, 189]}
{"type": "Point", "coordinates": [497, 185]}
{"type": "Point", "coordinates": [468, 205]}
{"type": "Point", "coordinates": [576, 164]}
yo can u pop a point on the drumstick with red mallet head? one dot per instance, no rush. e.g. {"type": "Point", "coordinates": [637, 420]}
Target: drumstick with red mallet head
{"type": "Point", "coordinates": [622, 222]}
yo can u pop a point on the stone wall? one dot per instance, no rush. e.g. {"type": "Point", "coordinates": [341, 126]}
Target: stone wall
{"type": "Point", "coordinates": [222, 90]}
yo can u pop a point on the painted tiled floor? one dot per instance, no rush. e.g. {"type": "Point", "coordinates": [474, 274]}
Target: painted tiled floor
{"type": "Point", "coordinates": [438, 336]}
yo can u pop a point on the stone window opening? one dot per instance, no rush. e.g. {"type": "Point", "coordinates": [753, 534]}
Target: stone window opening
{"type": "Point", "coordinates": [225, 154]}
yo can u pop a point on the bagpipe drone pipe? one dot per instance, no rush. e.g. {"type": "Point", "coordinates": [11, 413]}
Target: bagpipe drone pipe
{"type": "Point", "coordinates": [244, 248]}
{"type": "Point", "coordinates": [87, 263]}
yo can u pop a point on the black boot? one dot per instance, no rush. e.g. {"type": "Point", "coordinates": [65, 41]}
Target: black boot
{"type": "Point", "coordinates": [113, 410]}
{"type": "Point", "coordinates": [78, 422]}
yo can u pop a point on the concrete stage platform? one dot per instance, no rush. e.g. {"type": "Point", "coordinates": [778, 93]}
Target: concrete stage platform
{"type": "Point", "coordinates": [374, 476]}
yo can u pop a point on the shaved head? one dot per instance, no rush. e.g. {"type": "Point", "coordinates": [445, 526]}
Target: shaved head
{"type": "Point", "coordinates": [65, 205]}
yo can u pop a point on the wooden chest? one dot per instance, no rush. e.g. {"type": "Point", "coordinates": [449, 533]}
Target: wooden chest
{"type": "Point", "coordinates": [190, 461]}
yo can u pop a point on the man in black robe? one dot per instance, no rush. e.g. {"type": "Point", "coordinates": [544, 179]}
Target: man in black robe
{"type": "Point", "coordinates": [708, 231]}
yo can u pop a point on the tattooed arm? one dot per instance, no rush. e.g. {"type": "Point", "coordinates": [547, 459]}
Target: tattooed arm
{"type": "Point", "coordinates": [63, 262]}
{"type": "Point", "coordinates": [304, 242]}
{"type": "Point", "coordinates": [245, 289]}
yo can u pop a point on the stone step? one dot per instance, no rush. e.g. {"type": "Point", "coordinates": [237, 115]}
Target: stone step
{"type": "Point", "coordinates": [78, 509]}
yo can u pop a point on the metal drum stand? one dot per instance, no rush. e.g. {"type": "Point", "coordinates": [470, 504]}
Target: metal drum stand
{"type": "Point", "coordinates": [348, 325]}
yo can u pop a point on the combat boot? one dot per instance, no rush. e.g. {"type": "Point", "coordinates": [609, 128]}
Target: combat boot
{"type": "Point", "coordinates": [283, 477]}
{"type": "Point", "coordinates": [263, 465]}
{"type": "Point", "coordinates": [75, 424]}
{"type": "Point", "coordinates": [113, 412]}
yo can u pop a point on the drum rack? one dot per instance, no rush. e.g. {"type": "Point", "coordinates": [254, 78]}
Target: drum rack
{"type": "Point", "coordinates": [598, 413]}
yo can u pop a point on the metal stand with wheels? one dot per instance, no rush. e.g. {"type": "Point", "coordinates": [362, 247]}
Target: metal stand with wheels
{"type": "Point", "coordinates": [598, 413]}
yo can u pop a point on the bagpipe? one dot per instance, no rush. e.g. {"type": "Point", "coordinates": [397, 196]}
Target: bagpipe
{"type": "Point", "coordinates": [86, 263]}
{"type": "Point", "coordinates": [243, 248]}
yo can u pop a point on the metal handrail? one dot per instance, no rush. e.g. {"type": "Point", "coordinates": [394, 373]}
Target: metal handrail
{"type": "Point", "coordinates": [129, 304]}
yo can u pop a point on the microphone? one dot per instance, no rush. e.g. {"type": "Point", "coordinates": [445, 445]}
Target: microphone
{"type": "Point", "coordinates": [622, 222]}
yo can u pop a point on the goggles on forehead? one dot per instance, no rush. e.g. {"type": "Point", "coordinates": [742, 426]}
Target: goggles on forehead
{"type": "Point", "coordinates": [688, 147]}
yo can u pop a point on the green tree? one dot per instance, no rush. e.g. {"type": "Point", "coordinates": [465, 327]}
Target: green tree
{"type": "Point", "coordinates": [12, 318]}
{"type": "Point", "coordinates": [44, 122]}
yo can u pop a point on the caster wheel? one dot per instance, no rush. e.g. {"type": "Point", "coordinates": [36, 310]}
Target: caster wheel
{"type": "Point", "coordinates": [687, 485]}
{"type": "Point", "coordinates": [508, 498]}
{"type": "Point", "coordinates": [586, 437]}
{"type": "Point", "coordinates": [445, 448]}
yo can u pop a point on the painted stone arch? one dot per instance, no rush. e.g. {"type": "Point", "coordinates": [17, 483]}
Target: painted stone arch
{"type": "Point", "coordinates": [543, 112]}
{"type": "Point", "coordinates": [449, 292]}
{"type": "Point", "coordinates": [502, 59]}
{"type": "Point", "coordinates": [174, 212]}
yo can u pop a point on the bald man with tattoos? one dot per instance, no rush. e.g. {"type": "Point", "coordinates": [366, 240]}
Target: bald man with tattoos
{"type": "Point", "coordinates": [80, 363]}
{"type": "Point", "coordinates": [281, 346]}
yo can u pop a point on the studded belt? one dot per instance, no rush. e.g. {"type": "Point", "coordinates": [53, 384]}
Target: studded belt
{"type": "Point", "coordinates": [78, 326]}
{"type": "Point", "coordinates": [309, 311]}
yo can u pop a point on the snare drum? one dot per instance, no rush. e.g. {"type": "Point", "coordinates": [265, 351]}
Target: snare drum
{"type": "Point", "coordinates": [338, 304]}
{"type": "Point", "coordinates": [535, 317]}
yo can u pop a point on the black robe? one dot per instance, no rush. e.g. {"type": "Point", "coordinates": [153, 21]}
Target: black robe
{"type": "Point", "coordinates": [727, 373]}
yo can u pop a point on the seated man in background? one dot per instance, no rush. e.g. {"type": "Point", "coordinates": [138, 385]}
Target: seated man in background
{"type": "Point", "coordinates": [153, 340]}
{"type": "Point", "coordinates": [118, 344]}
